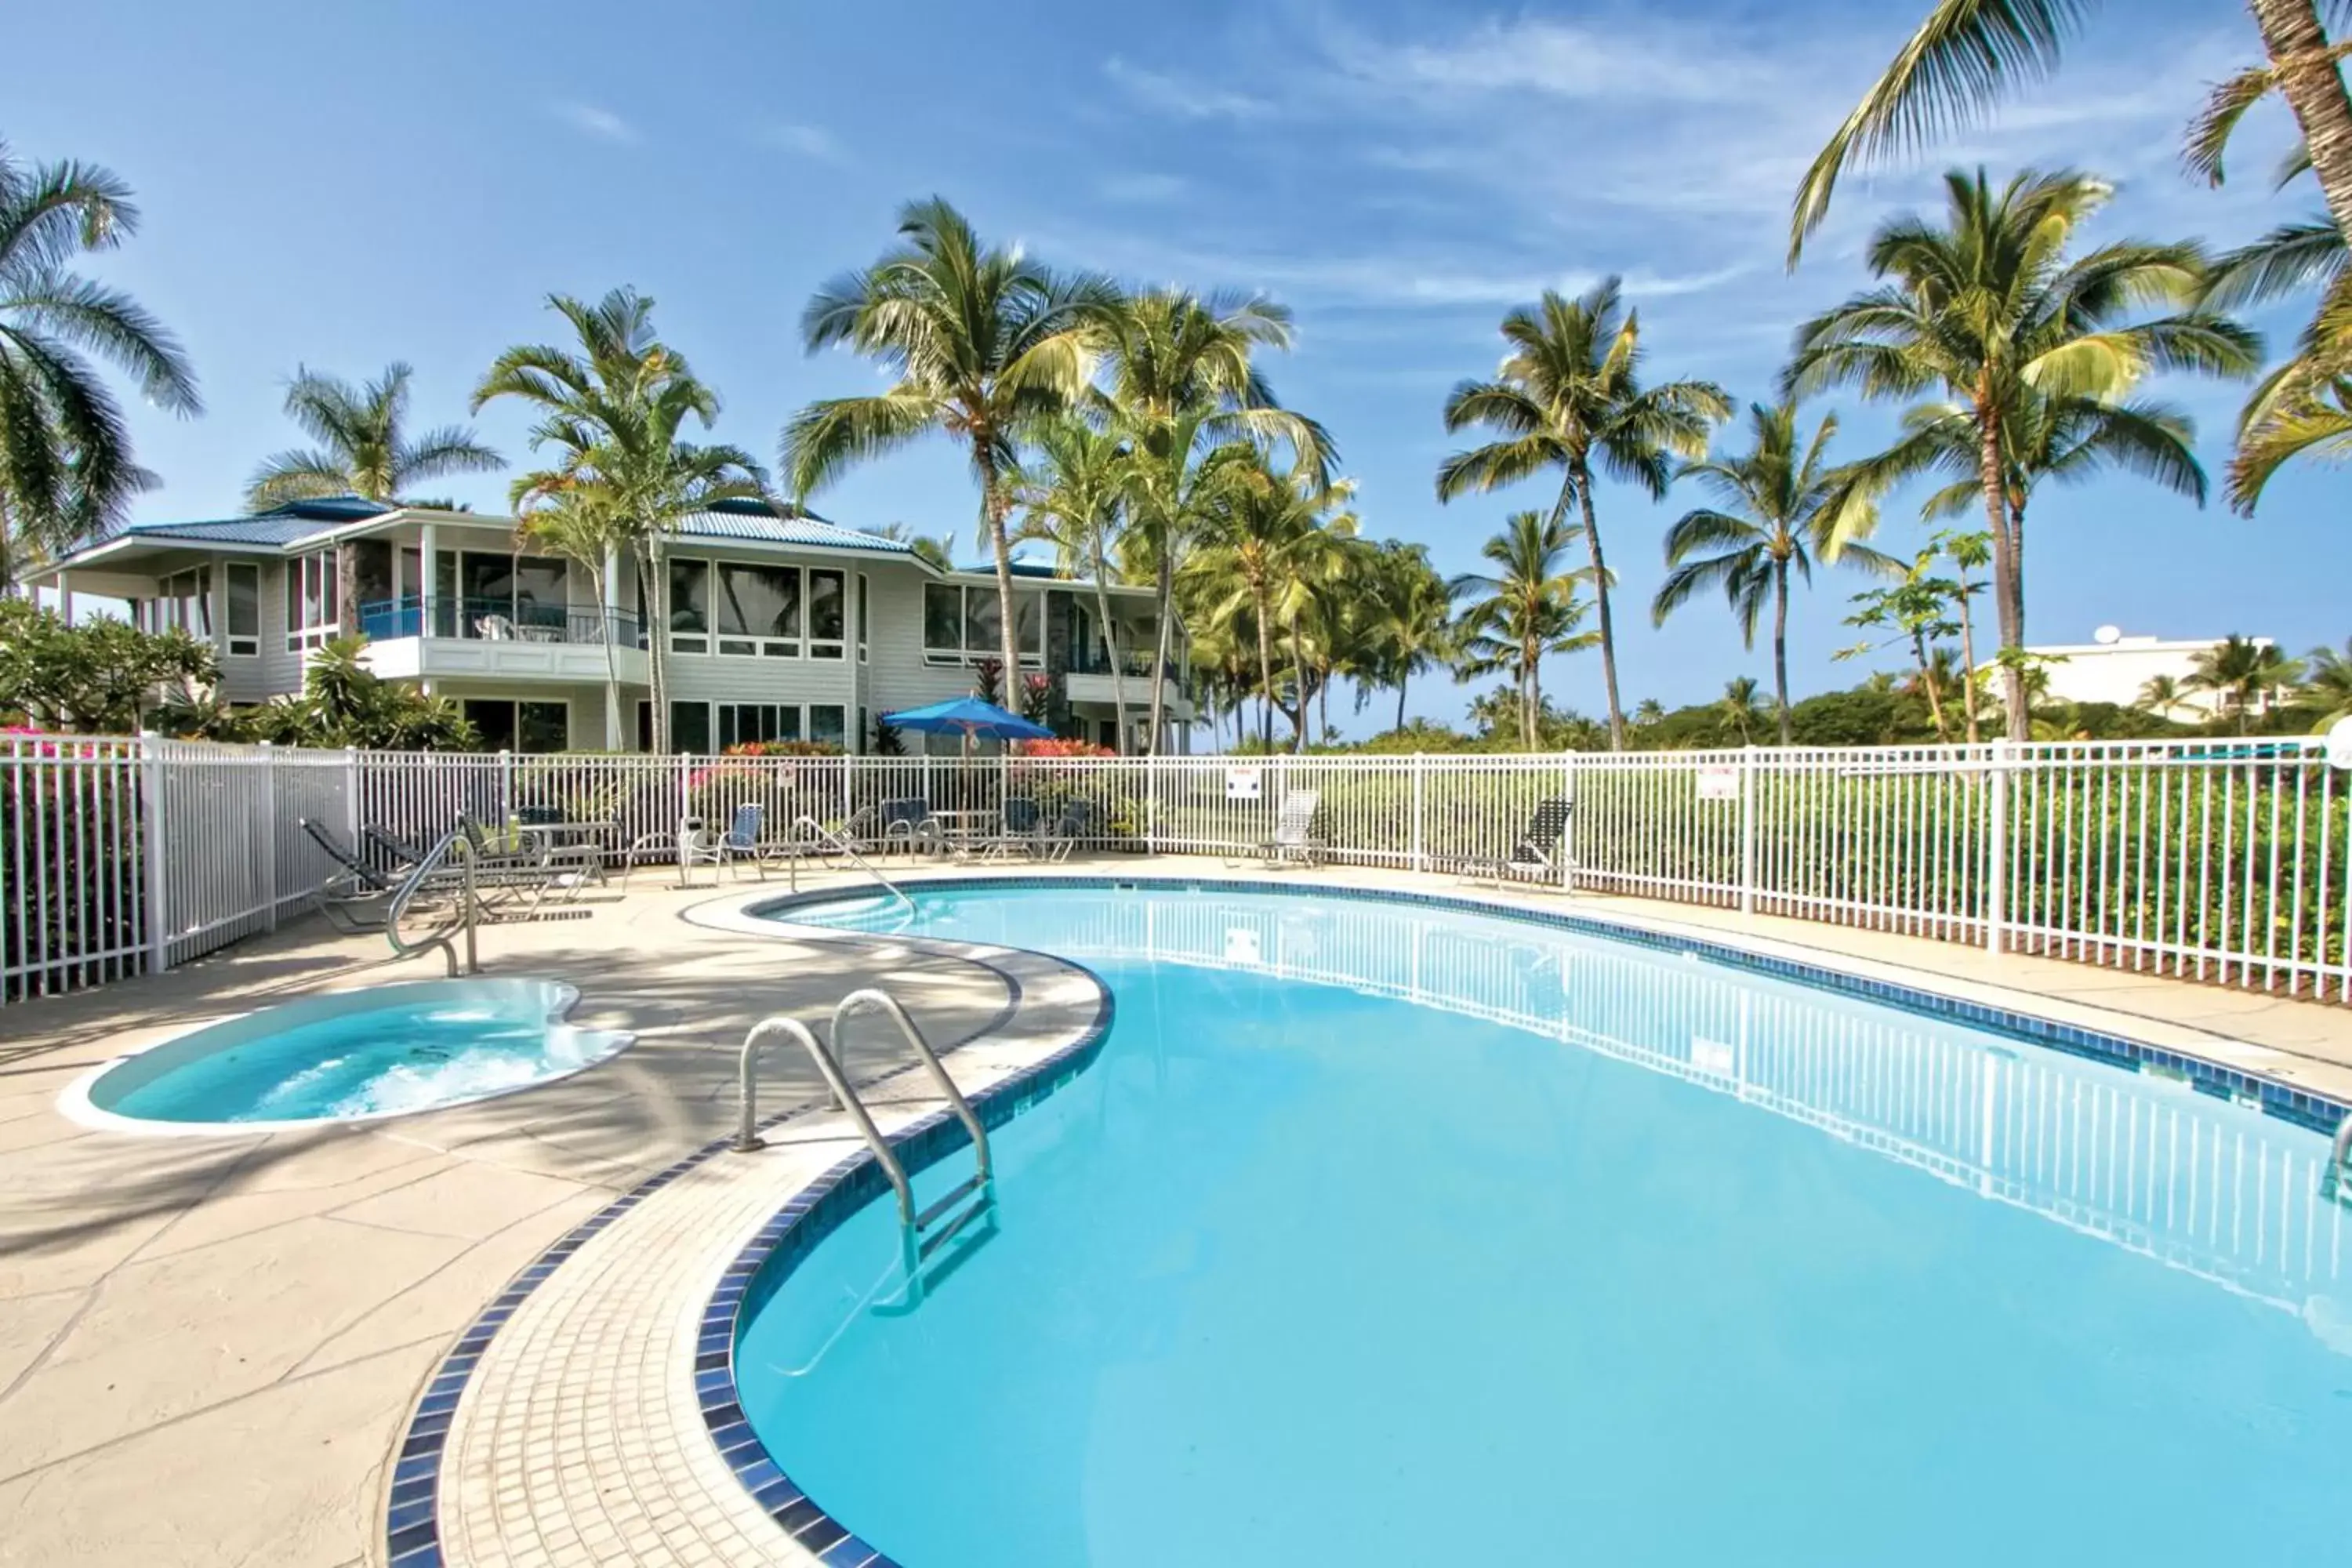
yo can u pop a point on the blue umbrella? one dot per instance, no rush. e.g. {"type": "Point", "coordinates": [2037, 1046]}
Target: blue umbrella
{"type": "Point", "coordinates": [971, 718]}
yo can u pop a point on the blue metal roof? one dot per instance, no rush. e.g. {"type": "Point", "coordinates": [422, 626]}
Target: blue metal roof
{"type": "Point", "coordinates": [288, 524]}
{"type": "Point", "coordinates": [750, 521]}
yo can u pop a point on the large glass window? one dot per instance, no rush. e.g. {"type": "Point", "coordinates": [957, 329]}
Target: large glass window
{"type": "Point", "coordinates": [759, 609]}
{"type": "Point", "coordinates": [827, 613]}
{"type": "Point", "coordinates": [962, 622]}
{"type": "Point", "coordinates": [689, 726]}
{"type": "Point", "coordinates": [185, 604]}
{"type": "Point", "coordinates": [942, 618]}
{"type": "Point", "coordinates": [862, 644]}
{"type": "Point", "coordinates": [244, 581]}
{"type": "Point", "coordinates": [542, 595]}
{"type": "Point", "coordinates": [512, 726]}
{"type": "Point", "coordinates": [690, 607]}
{"type": "Point", "coordinates": [740, 723]}
{"type": "Point", "coordinates": [828, 724]}
{"type": "Point", "coordinates": [311, 616]}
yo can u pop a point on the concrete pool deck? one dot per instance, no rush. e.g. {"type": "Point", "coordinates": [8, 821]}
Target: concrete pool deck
{"type": "Point", "coordinates": [209, 1348]}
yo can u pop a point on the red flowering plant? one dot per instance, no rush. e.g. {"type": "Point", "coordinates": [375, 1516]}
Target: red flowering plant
{"type": "Point", "coordinates": [1060, 746]}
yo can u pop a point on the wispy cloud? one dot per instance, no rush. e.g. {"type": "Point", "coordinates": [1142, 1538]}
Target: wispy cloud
{"type": "Point", "coordinates": [1143, 189]}
{"type": "Point", "coordinates": [591, 120]}
{"type": "Point", "coordinates": [1185, 98]}
{"type": "Point", "coordinates": [812, 142]}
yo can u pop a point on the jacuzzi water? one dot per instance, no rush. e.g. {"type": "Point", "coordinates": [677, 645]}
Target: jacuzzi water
{"type": "Point", "coordinates": [1389, 1237]}
{"type": "Point", "coordinates": [379, 1052]}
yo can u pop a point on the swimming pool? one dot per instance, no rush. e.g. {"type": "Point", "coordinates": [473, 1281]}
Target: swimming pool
{"type": "Point", "coordinates": [1395, 1236]}
{"type": "Point", "coordinates": [356, 1056]}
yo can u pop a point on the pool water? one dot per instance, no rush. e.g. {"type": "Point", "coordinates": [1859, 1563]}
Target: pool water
{"type": "Point", "coordinates": [380, 1052]}
{"type": "Point", "coordinates": [1389, 1236]}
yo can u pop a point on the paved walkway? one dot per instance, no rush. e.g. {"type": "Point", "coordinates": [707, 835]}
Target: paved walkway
{"type": "Point", "coordinates": [208, 1347]}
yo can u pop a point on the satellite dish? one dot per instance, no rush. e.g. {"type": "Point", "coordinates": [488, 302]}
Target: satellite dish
{"type": "Point", "coordinates": [2339, 744]}
{"type": "Point", "coordinates": [2108, 636]}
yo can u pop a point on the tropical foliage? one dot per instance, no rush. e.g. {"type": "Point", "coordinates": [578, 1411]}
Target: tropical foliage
{"type": "Point", "coordinates": [100, 677]}
{"type": "Point", "coordinates": [1524, 609]}
{"type": "Point", "coordinates": [66, 468]}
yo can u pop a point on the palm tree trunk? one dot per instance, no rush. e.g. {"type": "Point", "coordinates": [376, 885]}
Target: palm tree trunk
{"type": "Point", "coordinates": [2004, 569]}
{"type": "Point", "coordinates": [1530, 697]}
{"type": "Point", "coordinates": [1780, 644]}
{"type": "Point", "coordinates": [1298, 680]}
{"type": "Point", "coordinates": [1927, 680]}
{"type": "Point", "coordinates": [1967, 661]}
{"type": "Point", "coordinates": [1323, 699]}
{"type": "Point", "coordinates": [657, 585]}
{"type": "Point", "coordinates": [1167, 603]}
{"type": "Point", "coordinates": [596, 580]}
{"type": "Point", "coordinates": [1110, 645]}
{"type": "Point", "coordinates": [1264, 665]}
{"type": "Point", "coordinates": [2314, 89]}
{"type": "Point", "coordinates": [1402, 676]}
{"type": "Point", "coordinates": [1600, 611]}
{"type": "Point", "coordinates": [994, 505]}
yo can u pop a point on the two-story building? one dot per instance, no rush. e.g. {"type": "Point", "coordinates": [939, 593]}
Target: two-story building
{"type": "Point", "coordinates": [781, 625]}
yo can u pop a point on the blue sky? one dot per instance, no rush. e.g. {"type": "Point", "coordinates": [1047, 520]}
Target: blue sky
{"type": "Point", "coordinates": [340, 186]}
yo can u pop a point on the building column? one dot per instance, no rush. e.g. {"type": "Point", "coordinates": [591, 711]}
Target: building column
{"type": "Point", "coordinates": [425, 570]}
{"type": "Point", "coordinates": [611, 619]}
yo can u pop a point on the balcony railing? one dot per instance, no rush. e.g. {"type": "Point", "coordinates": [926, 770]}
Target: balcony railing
{"type": "Point", "coordinates": [494, 620]}
{"type": "Point", "coordinates": [1133, 663]}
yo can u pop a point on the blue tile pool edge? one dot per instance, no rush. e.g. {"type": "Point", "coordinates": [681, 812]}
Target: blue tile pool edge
{"type": "Point", "coordinates": [412, 1523]}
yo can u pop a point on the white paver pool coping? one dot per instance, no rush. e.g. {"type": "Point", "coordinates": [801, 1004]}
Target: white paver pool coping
{"type": "Point", "coordinates": [579, 1436]}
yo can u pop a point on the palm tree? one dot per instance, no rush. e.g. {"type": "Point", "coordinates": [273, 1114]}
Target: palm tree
{"type": "Point", "coordinates": [1648, 713]}
{"type": "Point", "coordinates": [1257, 556]}
{"type": "Point", "coordinates": [1968, 53]}
{"type": "Point", "coordinates": [65, 470]}
{"type": "Point", "coordinates": [937, 550]}
{"type": "Point", "coordinates": [363, 449]}
{"type": "Point", "coordinates": [984, 342]}
{"type": "Point", "coordinates": [1073, 497]}
{"type": "Point", "coordinates": [1180, 382]}
{"type": "Point", "coordinates": [1524, 610]}
{"type": "Point", "coordinates": [1568, 396]}
{"type": "Point", "coordinates": [1783, 506]}
{"type": "Point", "coordinates": [1739, 709]}
{"type": "Point", "coordinates": [2242, 675]}
{"type": "Point", "coordinates": [2327, 684]}
{"type": "Point", "coordinates": [1408, 626]}
{"type": "Point", "coordinates": [2161, 695]}
{"type": "Point", "coordinates": [1989, 311]}
{"type": "Point", "coordinates": [612, 411]}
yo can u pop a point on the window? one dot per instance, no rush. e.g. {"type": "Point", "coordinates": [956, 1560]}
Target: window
{"type": "Point", "coordinates": [827, 613]}
{"type": "Point", "coordinates": [759, 610]}
{"type": "Point", "coordinates": [742, 723]}
{"type": "Point", "coordinates": [311, 614]}
{"type": "Point", "coordinates": [689, 726]}
{"type": "Point", "coordinates": [861, 618]}
{"type": "Point", "coordinates": [828, 724]}
{"type": "Point", "coordinates": [512, 726]}
{"type": "Point", "coordinates": [244, 609]}
{"type": "Point", "coordinates": [185, 604]}
{"type": "Point", "coordinates": [689, 609]}
{"type": "Point", "coordinates": [962, 623]}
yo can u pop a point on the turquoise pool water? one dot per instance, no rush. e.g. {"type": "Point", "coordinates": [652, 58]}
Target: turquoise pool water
{"type": "Point", "coordinates": [1388, 1236]}
{"type": "Point", "coordinates": [380, 1052]}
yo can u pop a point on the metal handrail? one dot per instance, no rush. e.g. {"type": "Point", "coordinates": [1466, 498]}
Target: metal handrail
{"type": "Point", "coordinates": [431, 870]}
{"type": "Point", "coordinates": [747, 1134]}
{"type": "Point", "coordinates": [2336, 1180]}
{"type": "Point", "coordinates": [841, 842]}
{"type": "Point", "coordinates": [873, 999]}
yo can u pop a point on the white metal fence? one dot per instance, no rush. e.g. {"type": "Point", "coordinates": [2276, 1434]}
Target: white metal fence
{"type": "Point", "coordinates": [2217, 860]}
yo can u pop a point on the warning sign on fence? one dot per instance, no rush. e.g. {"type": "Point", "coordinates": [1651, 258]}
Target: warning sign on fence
{"type": "Point", "coordinates": [1242, 784]}
{"type": "Point", "coordinates": [1718, 783]}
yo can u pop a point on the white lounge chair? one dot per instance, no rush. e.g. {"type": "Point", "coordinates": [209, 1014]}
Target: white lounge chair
{"type": "Point", "coordinates": [1294, 842]}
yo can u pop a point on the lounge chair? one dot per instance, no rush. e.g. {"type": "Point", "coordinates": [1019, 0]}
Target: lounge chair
{"type": "Point", "coordinates": [394, 851]}
{"type": "Point", "coordinates": [1536, 856]}
{"type": "Point", "coordinates": [1078, 822]}
{"type": "Point", "coordinates": [908, 824]}
{"type": "Point", "coordinates": [358, 897]}
{"type": "Point", "coordinates": [1294, 842]}
{"type": "Point", "coordinates": [1021, 829]}
{"type": "Point", "coordinates": [524, 872]}
{"type": "Point", "coordinates": [743, 844]}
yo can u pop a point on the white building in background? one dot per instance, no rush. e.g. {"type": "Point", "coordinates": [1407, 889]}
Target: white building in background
{"type": "Point", "coordinates": [781, 626]}
{"type": "Point", "coordinates": [2115, 666]}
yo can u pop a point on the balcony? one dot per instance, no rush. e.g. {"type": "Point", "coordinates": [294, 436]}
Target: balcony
{"type": "Point", "coordinates": [1089, 679]}
{"type": "Point", "coordinates": [502, 638]}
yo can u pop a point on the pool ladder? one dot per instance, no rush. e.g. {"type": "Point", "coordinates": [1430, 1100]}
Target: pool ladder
{"type": "Point", "coordinates": [2335, 1180]}
{"type": "Point", "coordinates": [922, 1233]}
